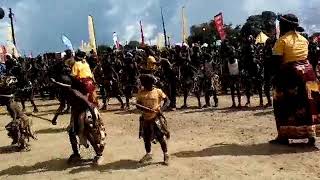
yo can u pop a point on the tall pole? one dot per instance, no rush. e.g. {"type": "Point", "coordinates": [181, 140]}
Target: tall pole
{"type": "Point", "coordinates": [164, 30]}
{"type": "Point", "coordinates": [12, 28]}
{"type": "Point", "coordinates": [183, 24]}
{"type": "Point", "coordinates": [94, 32]}
{"type": "Point", "coordinates": [142, 35]}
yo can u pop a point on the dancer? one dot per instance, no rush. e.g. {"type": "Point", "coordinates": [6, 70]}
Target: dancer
{"type": "Point", "coordinates": [296, 89]}
{"type": "Point", "coordinates": [153, 125]}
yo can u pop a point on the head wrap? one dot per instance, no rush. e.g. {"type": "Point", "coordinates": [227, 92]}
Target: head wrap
{"type": "Point", "coordinates": [291, 20]}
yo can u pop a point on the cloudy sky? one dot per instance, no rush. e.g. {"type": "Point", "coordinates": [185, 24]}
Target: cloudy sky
{"type": "Point", "coordinates": [40, 23]}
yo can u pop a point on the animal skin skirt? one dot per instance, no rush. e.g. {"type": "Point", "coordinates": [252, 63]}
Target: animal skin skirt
{"type": "Point", "coordinates": [89, 87]}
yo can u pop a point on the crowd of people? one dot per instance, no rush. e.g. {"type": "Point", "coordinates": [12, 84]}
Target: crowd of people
{"type": "Point", "coordinates": [181, 70]}
{"type": "Point", "coordinates": [287, 65]}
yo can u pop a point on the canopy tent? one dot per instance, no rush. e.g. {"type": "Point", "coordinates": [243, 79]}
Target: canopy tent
{"type": "Point", "coordinates": [261, 38]}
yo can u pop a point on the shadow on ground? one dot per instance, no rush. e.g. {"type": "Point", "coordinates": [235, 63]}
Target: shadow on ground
{"type": "Point", "coordinates": [118, 165]}
{"type": "Point", "coordinates": [46, 166]}
{"type": "Point", "coordinates": [51, 131]}
{"type": "Point", "coordinates": [246, 150]}
{"type": "Point", "coordinates": [243, 109]}
{"type": "Point", "coordinates": [61, 165]}
{"type": "Point", "coordinates": [9, 149]}
{"type": "Point", "coordinates": [264, 113]}
{"type": "Point", "coordinates": [225, 110]}
{"type": "Point", "coordinates": [197, 110]}
{"type": "Point", "coordinates": [110, 110]}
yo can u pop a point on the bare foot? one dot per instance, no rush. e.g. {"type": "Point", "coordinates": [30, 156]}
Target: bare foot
{"type": "Point", "coordinates": [98, 160]}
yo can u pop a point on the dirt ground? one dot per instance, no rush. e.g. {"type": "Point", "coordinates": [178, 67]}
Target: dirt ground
{"type": "Point", "coordinates": [215, 143]}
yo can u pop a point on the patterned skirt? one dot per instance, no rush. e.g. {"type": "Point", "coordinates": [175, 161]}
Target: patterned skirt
{"type": "Point", "coordinates": [154, 129]}
{"type": "Point", "coordinates": [88, 87]}
{"type": "Point", "coordinates": [82, 125]}
{"type": "Point", "coordinates": [297, 101]}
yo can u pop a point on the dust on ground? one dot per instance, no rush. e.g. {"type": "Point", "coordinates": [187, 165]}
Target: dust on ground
{"type": "Point", "coordinates": [214, 143]}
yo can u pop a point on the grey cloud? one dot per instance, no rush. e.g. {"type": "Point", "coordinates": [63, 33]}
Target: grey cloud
{"type": "Point", "coordinates": [40, 23]}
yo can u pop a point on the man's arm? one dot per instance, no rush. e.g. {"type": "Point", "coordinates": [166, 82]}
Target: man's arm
{"type": "Point", "coordinates": [75, 94]}
{"type": "Point", "coordinates": [166, 100]}
{"type": "Point", "coordinates": [115, 73]}
{"type": "Point", "coordinates": [165, 105]}
{"type": "Point", "coordinates": [85, 101]}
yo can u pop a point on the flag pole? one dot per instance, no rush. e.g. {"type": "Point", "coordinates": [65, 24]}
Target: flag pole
{"type": "Point", "coordinates": [182, 15]}
{"type": "Point", "coordinates": [12, 28]}
{"type": "Point", "coordinates": [142, 36]}
{"type": "Point", "coordinates": [164, 30]}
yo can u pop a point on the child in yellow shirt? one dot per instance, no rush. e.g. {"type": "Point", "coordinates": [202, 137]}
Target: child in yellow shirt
{"type": "Point", "coordinates": [152, 122]}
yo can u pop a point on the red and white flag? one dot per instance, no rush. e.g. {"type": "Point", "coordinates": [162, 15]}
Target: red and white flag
{"type": "Point", "coordinates": [115, 40]}
{"type": "Point", "coordinates": [218, 21]}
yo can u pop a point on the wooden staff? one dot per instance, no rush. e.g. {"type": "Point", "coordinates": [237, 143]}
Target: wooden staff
{"type": "Point", "coordinates": [145, 108]}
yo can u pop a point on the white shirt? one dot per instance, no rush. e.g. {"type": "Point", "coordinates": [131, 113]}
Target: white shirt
{"type": "Point", "coordinates": [234, 68]}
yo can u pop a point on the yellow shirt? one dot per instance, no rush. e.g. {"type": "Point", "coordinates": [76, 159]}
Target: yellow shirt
{"type": "Point", "coordinates": [151, 63]}
{"type": "Point", "coordinates": [81, 69]}
{"type": "Point", "coordinates": [292, 47]}
{"type": "Point", "coordinates": [151, 99]}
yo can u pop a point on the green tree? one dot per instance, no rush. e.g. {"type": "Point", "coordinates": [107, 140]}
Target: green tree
{"type": "Point", "coordinates": [203, 33]}
{"type": "Point", "coordinates": [207, 33]}
{"type": "Point", "coordinates": [102, 49]}
{"type": "Point", "coordinates": [233, 33]}
{"type": "Point", "coordinates": [133, 44]}
{"type": "Point", "coordinates": [265, 22]}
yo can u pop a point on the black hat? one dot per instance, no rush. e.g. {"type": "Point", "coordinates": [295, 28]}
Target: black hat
{"type": "Point", "coordinates": [292, 20]}
{"type": "Point", "coordinates": [148, 79]}
{"type": "Point", "coordinates": [80, 54]}
{"type": "Point", "coordinates": [68, 51]}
